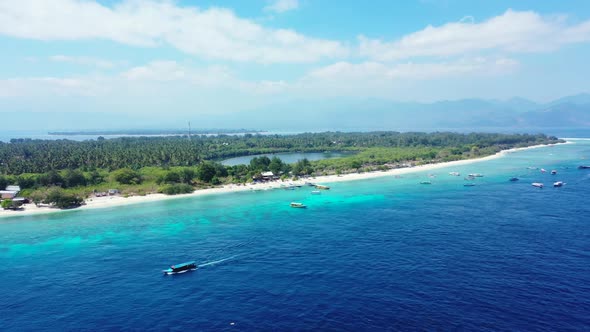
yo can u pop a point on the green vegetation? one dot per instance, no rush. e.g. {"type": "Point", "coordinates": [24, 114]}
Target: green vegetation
{"type": "Point", "coordinates": [126, 176]}
{"type": "Point", "coordinates": [9, 204]}
{"type": "Point", "coordinates": [62, 172]}
{"type": "Point", "coordinates": [40, 156]}
{"type": "Point", "coordinates": [61, 199]}
{"type": "Point", "coordinates": [175, 189]}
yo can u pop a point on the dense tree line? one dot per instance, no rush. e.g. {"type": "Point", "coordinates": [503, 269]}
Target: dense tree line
{"type": "Point", "coordinates": [175, 165]}
{"type": "Point", "coordinates": [42, 156]}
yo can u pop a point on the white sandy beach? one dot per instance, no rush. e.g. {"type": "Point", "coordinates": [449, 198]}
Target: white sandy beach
{"type": "Point", "coordinates": [112, 201]}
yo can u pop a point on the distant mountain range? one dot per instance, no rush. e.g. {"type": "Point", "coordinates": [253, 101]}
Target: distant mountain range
{"type": "Point", "coordinates": [465, 114]}
{"type": "Point", "coordinates": [345, 114]}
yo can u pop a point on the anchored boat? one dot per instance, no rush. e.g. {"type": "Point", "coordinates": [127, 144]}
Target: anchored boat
{"type": "Point", "coordinates": [537, 184]}
{"type": "Point", "coordinates": [298, 205]}
{"type": "Point", "coordinates": [514, 179]}
{"type": "Point", "coordinates": [558, 184]}
{"type": "Point", "coordinates": [181, 268]}
{"type": "Point", "coordinates": [322, 187]}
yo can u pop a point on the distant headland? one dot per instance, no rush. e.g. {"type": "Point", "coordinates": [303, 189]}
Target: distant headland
{"type": "Point", "coordinates": [155, 132]}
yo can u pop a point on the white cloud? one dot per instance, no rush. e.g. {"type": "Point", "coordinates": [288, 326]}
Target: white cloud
{"type": "Point", "coordinates": [83, 60]}
{"type": "Point", "coordinates": [217, 77]}
{"type": "Point", "coordinates": [349, 72]}
{"type": "Point", "coordinates": [401, 81]}
{"type": "Point", "coordinates": [281, 6]}
{"type": "Point", "coordinates": [512, 31]}
{"type": "Point", "coordinates": [156, 71]}
{"type": "Point", "coordinates": [339, 79]}
{"type": "Point", "coordinates": [163, 77]}
{"type": "Point", "coordinates": [172, 71]}
{"type": "Point", "coordinates": [50, 86]}
{"type": "Point", "coordinates": [213, 33]}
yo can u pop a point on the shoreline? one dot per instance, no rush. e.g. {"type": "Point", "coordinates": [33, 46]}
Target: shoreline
{"type": "Point", "coordinates": [114, 201]}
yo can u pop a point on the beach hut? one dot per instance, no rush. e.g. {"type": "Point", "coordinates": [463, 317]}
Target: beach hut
{"type": "Point", "coordinates": [8, 194]}
{"type": "Point", "coordinates": [267, 175]}
{"type": "Point", "coordinates": [13, 188]}
{"type": "Point", "coordinates": [20, 200]}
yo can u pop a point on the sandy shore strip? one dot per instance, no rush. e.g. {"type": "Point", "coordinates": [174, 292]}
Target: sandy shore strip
{"type": "Point", "coordinates": [113, 201]}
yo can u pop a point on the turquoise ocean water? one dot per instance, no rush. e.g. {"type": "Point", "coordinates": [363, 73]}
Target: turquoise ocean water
{"type": "Point", "coordinates": [380, 254]}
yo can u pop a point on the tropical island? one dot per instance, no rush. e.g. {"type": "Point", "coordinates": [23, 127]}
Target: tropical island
{"type": "Point", "coordinates": [65, 173]}
{"type": "Point", "coordinates": [154, 132]}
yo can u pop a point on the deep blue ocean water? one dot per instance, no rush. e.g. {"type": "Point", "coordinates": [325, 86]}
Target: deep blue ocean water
{"type": "Point", "coordinates": [380, 254]}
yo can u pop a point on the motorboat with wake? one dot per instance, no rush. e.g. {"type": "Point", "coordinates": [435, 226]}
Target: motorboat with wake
{"type": "Point", "coordinates": [181, 268]}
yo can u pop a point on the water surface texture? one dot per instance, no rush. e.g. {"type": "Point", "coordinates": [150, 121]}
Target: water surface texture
{"type": "Point", "coordinates": [287, 157]}
{"type": "Point", "coordinates": [380, 254]}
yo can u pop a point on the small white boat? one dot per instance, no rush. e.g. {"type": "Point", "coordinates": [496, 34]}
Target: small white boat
{"type": "Point", "coordinates": [316, 192]}
{"type": "Point", "coordinates": [558, 184]}
{"type": "Point", "coordinates": [455, 173]}
{"type": "Point", "coordinates": [298, 205]}
{"type": "Point", "coordinates": [475, 175]}
{"type": "Point", "coordinates": [543, 170]}
{"type": "Point", "coordinates": [537, 184]}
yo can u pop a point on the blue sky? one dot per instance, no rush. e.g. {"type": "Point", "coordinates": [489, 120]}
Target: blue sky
{"type": "Point", "coordinates": [222, 57]}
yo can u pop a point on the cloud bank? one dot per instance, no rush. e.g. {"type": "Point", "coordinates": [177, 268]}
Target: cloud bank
{"type": "Point", "coordinates": [213, 33]}
{"type": "Point", "coordinates": [511, 32]}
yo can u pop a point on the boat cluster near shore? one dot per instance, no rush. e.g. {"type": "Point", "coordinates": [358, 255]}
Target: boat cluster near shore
{"type": "Point", "coordinates": [112, 201]}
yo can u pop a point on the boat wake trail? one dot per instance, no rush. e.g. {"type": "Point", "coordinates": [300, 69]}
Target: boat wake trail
{"type": "Point", "coordinates": [217, 261]}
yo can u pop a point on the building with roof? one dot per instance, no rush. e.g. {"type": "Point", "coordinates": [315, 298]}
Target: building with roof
{"type": "Point", "coordinates": [8, 194]}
